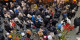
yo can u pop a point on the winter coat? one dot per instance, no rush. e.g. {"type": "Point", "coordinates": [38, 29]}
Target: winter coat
{"type": "Point", "coordinates": [64, 15]}
{"type": "Point", "coordinates": [52, 14]}
{"type": "Point", "coordinates": [54, 22]}
{"type": "Point", "coordinates": [16, 12]}
{"type": "Point", "coordinates": [40, 19]}
{"type": "Point", "coordinates": [59, 26]}
{"type": "Point", "coordinates": [7, 27]}
{"type": "Point", "coordinates": [68, 21]}
{"type": "Point", "coordinates": [45, 32]}
{"type": "Point", "coordinates": [33, 19]}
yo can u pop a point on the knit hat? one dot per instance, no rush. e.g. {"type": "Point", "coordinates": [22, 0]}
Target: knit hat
{"type": "Point", "coordinates": [47, 16]}
{"type": "Point", "coordinates": [33, 27]}
{"type": "Point", "coordinates": [73, 10]}
{"type": "Point", "coordinates": [49, 37]}
{"type": "Point", "coordinates": [7, 33]}
{"type": "Point", "coordinates": [16, 19]}
{"type": "Point", "coordinates": [11, 11]}
{"type": "Point", "coordinates": [28, 15]}
{"type": "Point", "coordinates": [22, 33]}
{"type": "Point", "coordinates": [33, 15]}
{"type": "Point", "coordinates": [45, 37]}
{"type": "Point", "coordinates": [59, 26]}
{"type": "Point", "coordinates": [16, 9]}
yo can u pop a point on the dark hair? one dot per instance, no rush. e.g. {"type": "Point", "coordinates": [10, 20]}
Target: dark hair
{"type": "Point", "coordinates": [65, 20]}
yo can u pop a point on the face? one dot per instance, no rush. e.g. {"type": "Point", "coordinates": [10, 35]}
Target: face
{"type": "Point", "coordinates": [6, 3]}
{"type": "Point", "coordinates": [29, 20]}
{"type": "Point", "coordinates": [39, 16]}
{"type": "Point", "coordinates": [10, 2]}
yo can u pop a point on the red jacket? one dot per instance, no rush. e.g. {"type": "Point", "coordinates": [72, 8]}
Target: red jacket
{"type": "Point", "coordinates": [52, 13]}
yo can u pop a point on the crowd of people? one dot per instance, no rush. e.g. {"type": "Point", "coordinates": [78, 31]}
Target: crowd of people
{"type": "Point", "coordinates": [37, 20]}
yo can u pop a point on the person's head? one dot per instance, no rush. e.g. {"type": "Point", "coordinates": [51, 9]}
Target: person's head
{"type": "Point", "coordinates": [24, 15]}
{"type": "Point", "coordinates": [39, 16]}
{"type": "Point", "coordinates": [4, 9]}
{"type": "Point", "coordinates": [28, 1]}
{"type": "Point", "coordinates": [34, 16]}
{"type": "Point", "coordinates": [16, 19]}
{"type": "Point", "coordinates": [11, 11]}
{"type": "Point", "coordinates": [24, 8]}
{"type": "Point", "coordinates": [29, 20]}
{"type": "Point", "coordinates": [68, 6]}
{"type": "Point", "coordinates": [6, 3]}
{"type": "Point", "coordinates": [65, 21]}
{"type": "Point", "coordinates": [22, 1]}
{"type": "Point", "coordinates": [28, 15]}
{"type": "Point", "coordinates": [49, 37]}
{"type": "Point", "coordinates": [73, 11]}
{"type": "Point", "coordinates": [28, 31]}
{"type": "Point", "coordinates": [11, 31]}
{"type": "Point", "coordinates": [25, 0]}
{"type": "Point", "coordinates": [20, 14]}
{"type": "Point", "coordinates": [7, 34]}
{"type": "Point", "coordinates": [22, 34]}
{"type": "Point", "coordinates": [10, 3]}
{"type": "Point", "coordinates": [5, 21]}
{"type": "Point", "coordinates": [19, 7]}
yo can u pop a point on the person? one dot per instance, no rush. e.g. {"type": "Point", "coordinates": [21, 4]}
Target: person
{"type": "Point", "coordinates": [12, 24]}
{"type": "Point", "coordinates": [68, 20]}
{"type": "Point", "coordinates": [59, 26]}
{"type": "Point", "coordinates": [40, 32]}
{"type": "Point", "coordinates": [64, 14]}
{"type": "Point", "coordinates": [30, 23]}
{"type": "Point", "coordinates": [39, 18]}
{"type": "Point", "coordinates": [54, 22]}
{"type": "Point", "coordinates": [73, 13]}
{"type": "Point", "coordinates": [24, 15]}
{"type": "Point", "coordinates": [29, 33]}
{"type": "Point", "coordinates": [16, 12]}
{"type": "Point", "coordinates": [52, 13]}
{"type": "Point", "coordinates": [7, 26]}
{"type": "Point", "coordinates": [33, 18]}
{"type": "Point", "coordinates": [7, 6]}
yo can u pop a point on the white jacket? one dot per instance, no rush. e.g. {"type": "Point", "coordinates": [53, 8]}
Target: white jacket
{"type": "Point", "coordinates": [68, 20]}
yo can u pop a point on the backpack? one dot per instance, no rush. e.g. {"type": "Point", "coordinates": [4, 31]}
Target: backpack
{"type": "Point", "coordinates": [77, 22]}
